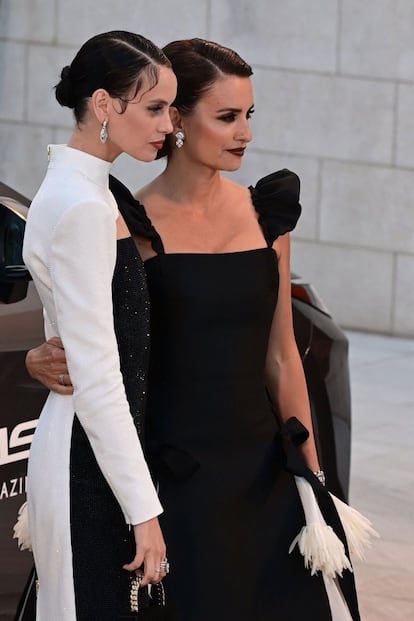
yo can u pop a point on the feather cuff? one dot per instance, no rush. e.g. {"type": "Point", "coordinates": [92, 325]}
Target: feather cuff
{"type": "Point", "coordinates": [319, 545]}
{"type": "Point", "coordinates": [358, 529]}
{"type": "Point", "coordinates": [21, 529]}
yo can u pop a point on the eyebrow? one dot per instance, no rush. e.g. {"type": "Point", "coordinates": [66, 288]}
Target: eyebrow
{"type": "Point", "coordinates": [233, 109]}
{"type": "Point", "coordinates": [158, 101]}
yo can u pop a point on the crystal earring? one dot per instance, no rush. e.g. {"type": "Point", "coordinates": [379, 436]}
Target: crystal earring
{"type": "Point", "coordinates": [180, 139]}
{"type": "Point", "coordinates": [103, 136]}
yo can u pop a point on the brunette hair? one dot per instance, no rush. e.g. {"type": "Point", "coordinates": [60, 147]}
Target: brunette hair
{"type": "Point", "coordinates": [116, 61]}
{"type": "Point", "coordinates": [198, 64]}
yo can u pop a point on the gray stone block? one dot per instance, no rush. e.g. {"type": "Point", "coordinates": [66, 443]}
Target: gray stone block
{"type": "Point", "coordinates": [24, 156]}
{"type": "Point", "coordinates": [158, 20]}
{"type": "Point", "coordinates": [12, 80]}
{"type": "Point", "coordinates": [45, 65]}
{"type": "Point", "coordinates": [405, 126]}
{"type": "Point", "coordinates": [295, 34]}
{"type": "Point", "coordinates": [377, 38]}
{"type": "Point", "coordinates": [367, 206]}
{"type": "Point", "coordinates": [403, 322]}
{"type": "Point", "coordinates": [32, 20]}
{"type": "Point", "coordinates": [355, 284]}
{"type": "Point", "coordinates": [322, 115]}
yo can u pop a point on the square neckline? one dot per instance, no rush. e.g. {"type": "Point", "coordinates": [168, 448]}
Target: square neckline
{"type": "Point", "coordinates": [233, 253]}
{"type": "Point", "coordinates": [161, 248]}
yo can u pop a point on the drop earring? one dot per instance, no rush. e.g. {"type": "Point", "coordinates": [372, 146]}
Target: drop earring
{"type": "Point", "coordinates": [103, 136]}
{"type": "Point", "coordinates": [179, 139]}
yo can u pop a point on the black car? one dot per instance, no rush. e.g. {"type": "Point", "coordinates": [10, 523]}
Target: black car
{"type": "Point", "coordinates": [322, 345]}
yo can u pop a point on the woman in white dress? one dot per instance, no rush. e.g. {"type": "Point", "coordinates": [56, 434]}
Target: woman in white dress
{"type": "Point", "coordinates": [92, 504]}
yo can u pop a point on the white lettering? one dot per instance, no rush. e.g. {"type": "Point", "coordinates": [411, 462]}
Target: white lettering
{"type": "Point", "coordinates": [17, 438]}
{"type": "Point", "coordinates": [4, 492]}
{"type": "Point", "coordinates": [14, 487]}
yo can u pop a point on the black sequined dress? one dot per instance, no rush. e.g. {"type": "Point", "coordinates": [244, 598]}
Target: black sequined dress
{"type": "Point", "coordinates": [101, 540]}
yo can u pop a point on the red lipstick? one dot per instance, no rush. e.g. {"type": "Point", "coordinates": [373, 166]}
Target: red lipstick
{"type": "Point", "coordinates": [158, 145]}
{"type": "Point", "coordinates": [238, 152]}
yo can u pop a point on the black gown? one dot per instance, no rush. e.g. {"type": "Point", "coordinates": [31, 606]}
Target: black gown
{"type": "Point", "coordinates": [231, 506]}
{"type": "Point", "coordinates": [101, 540]}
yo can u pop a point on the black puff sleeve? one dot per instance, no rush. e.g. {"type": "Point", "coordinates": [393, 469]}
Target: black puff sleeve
{"type": "Point", "coordinates": [276, 200]}
{"type": "Point", "coordinates": [134, 214]}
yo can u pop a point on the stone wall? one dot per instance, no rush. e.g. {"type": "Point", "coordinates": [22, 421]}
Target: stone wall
{"type": "Point", "coordinates": [334, 83]}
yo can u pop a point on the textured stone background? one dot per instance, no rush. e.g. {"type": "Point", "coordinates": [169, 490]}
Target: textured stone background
{"type": "Point", "coordinates": [334, 82]}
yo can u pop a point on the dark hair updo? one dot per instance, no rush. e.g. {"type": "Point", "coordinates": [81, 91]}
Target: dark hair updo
{"type": "Point", "coordinates": [198, 64]}
{"type": "Point", "coordinates": [116, 61]}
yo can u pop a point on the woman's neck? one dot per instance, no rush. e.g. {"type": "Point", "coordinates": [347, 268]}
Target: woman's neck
{"type": "Point", "coordinates": [193, 183]}
{"type": "Point", "coordinates": [88, 141]}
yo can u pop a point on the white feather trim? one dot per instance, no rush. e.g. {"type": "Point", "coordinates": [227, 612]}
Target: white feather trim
{"type": "Point", "coordinates": [358, 529]}
{"type": "Point", "coordinates": [320, 547]}
{"type": "Point", "coordinates": [21, 529]}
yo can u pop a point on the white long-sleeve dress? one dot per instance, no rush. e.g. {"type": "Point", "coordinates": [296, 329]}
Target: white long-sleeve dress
{"type": "Point", "coordinates": [86, 446]}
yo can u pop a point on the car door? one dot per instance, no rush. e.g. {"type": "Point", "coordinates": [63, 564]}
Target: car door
{"type": "Point", "coordinates": [21, 398]}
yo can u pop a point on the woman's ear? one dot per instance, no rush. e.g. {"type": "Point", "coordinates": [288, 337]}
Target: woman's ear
{"type": "Point", "coordinates": [176, 121]}
{"type": "Point", "coordinates": [100, 103]}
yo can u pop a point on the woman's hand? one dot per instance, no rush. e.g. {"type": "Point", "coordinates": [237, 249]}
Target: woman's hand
{"type": "Point", "coordinates": [150, 553]}
{"type": "Point", "coordinates": [47, 364]}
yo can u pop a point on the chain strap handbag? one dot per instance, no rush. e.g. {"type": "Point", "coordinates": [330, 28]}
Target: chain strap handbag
{"type": "Point", "coordinates": [141, 603]}
{"type": "Point", "coordinates": [147, 603]}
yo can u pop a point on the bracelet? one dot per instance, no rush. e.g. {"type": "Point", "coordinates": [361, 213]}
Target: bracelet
{"type": "Point", "coordinates": [319, 474]}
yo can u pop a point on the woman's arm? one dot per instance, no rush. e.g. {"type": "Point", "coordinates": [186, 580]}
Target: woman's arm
{"type": "Point", "coordinates": [81, 259]}
{"type": "Point", "coordinates": [47, 364]}
{"type": "Point", "coordinates": [284, 374]}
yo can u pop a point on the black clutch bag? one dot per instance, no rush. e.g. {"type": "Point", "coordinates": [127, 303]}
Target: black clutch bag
{"type": "Point", "coordinates": [139, 603]}
{"type": "Point", "coordinates": [147, 603]}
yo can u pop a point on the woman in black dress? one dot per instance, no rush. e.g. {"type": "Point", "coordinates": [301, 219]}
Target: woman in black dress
{"type": "Point", "coordinates": [225, 375]}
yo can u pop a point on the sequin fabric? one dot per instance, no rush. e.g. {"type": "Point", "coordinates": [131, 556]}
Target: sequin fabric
{"type": "Point", "coordinates": [132, 326]}
{"type": "Point", "coordinates": [101, 540]}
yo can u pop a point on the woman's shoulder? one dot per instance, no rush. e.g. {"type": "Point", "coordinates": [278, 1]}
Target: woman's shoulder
{"type": "Point", "coordinates": [81, 201]}
{"type": "Point", "coordinates": [132, 210]}
{"type": "Point", "coordinates": [276, 200]}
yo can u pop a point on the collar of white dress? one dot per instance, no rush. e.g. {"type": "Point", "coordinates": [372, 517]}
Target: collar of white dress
{"type": "Point", "coordinates": [90, 166]}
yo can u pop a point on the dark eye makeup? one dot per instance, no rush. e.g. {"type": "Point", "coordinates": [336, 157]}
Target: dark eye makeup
{"type": "Point", "coordinates": [231, 116]}
{"type": "Point", "coordinates": [155, 108]}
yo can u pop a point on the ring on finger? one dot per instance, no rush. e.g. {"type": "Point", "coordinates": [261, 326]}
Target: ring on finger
{"type": "Point", "coordinates": [61, 379]}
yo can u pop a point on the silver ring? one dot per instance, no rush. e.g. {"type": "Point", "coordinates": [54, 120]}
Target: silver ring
{"type": "Point", "coordinates": [157, 569]}
{"type": "Point", "coordinates": [61, 379]}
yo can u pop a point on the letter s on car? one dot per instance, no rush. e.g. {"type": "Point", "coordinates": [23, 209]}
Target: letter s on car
{"type": "Point", "coordinates": [17, 438]}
